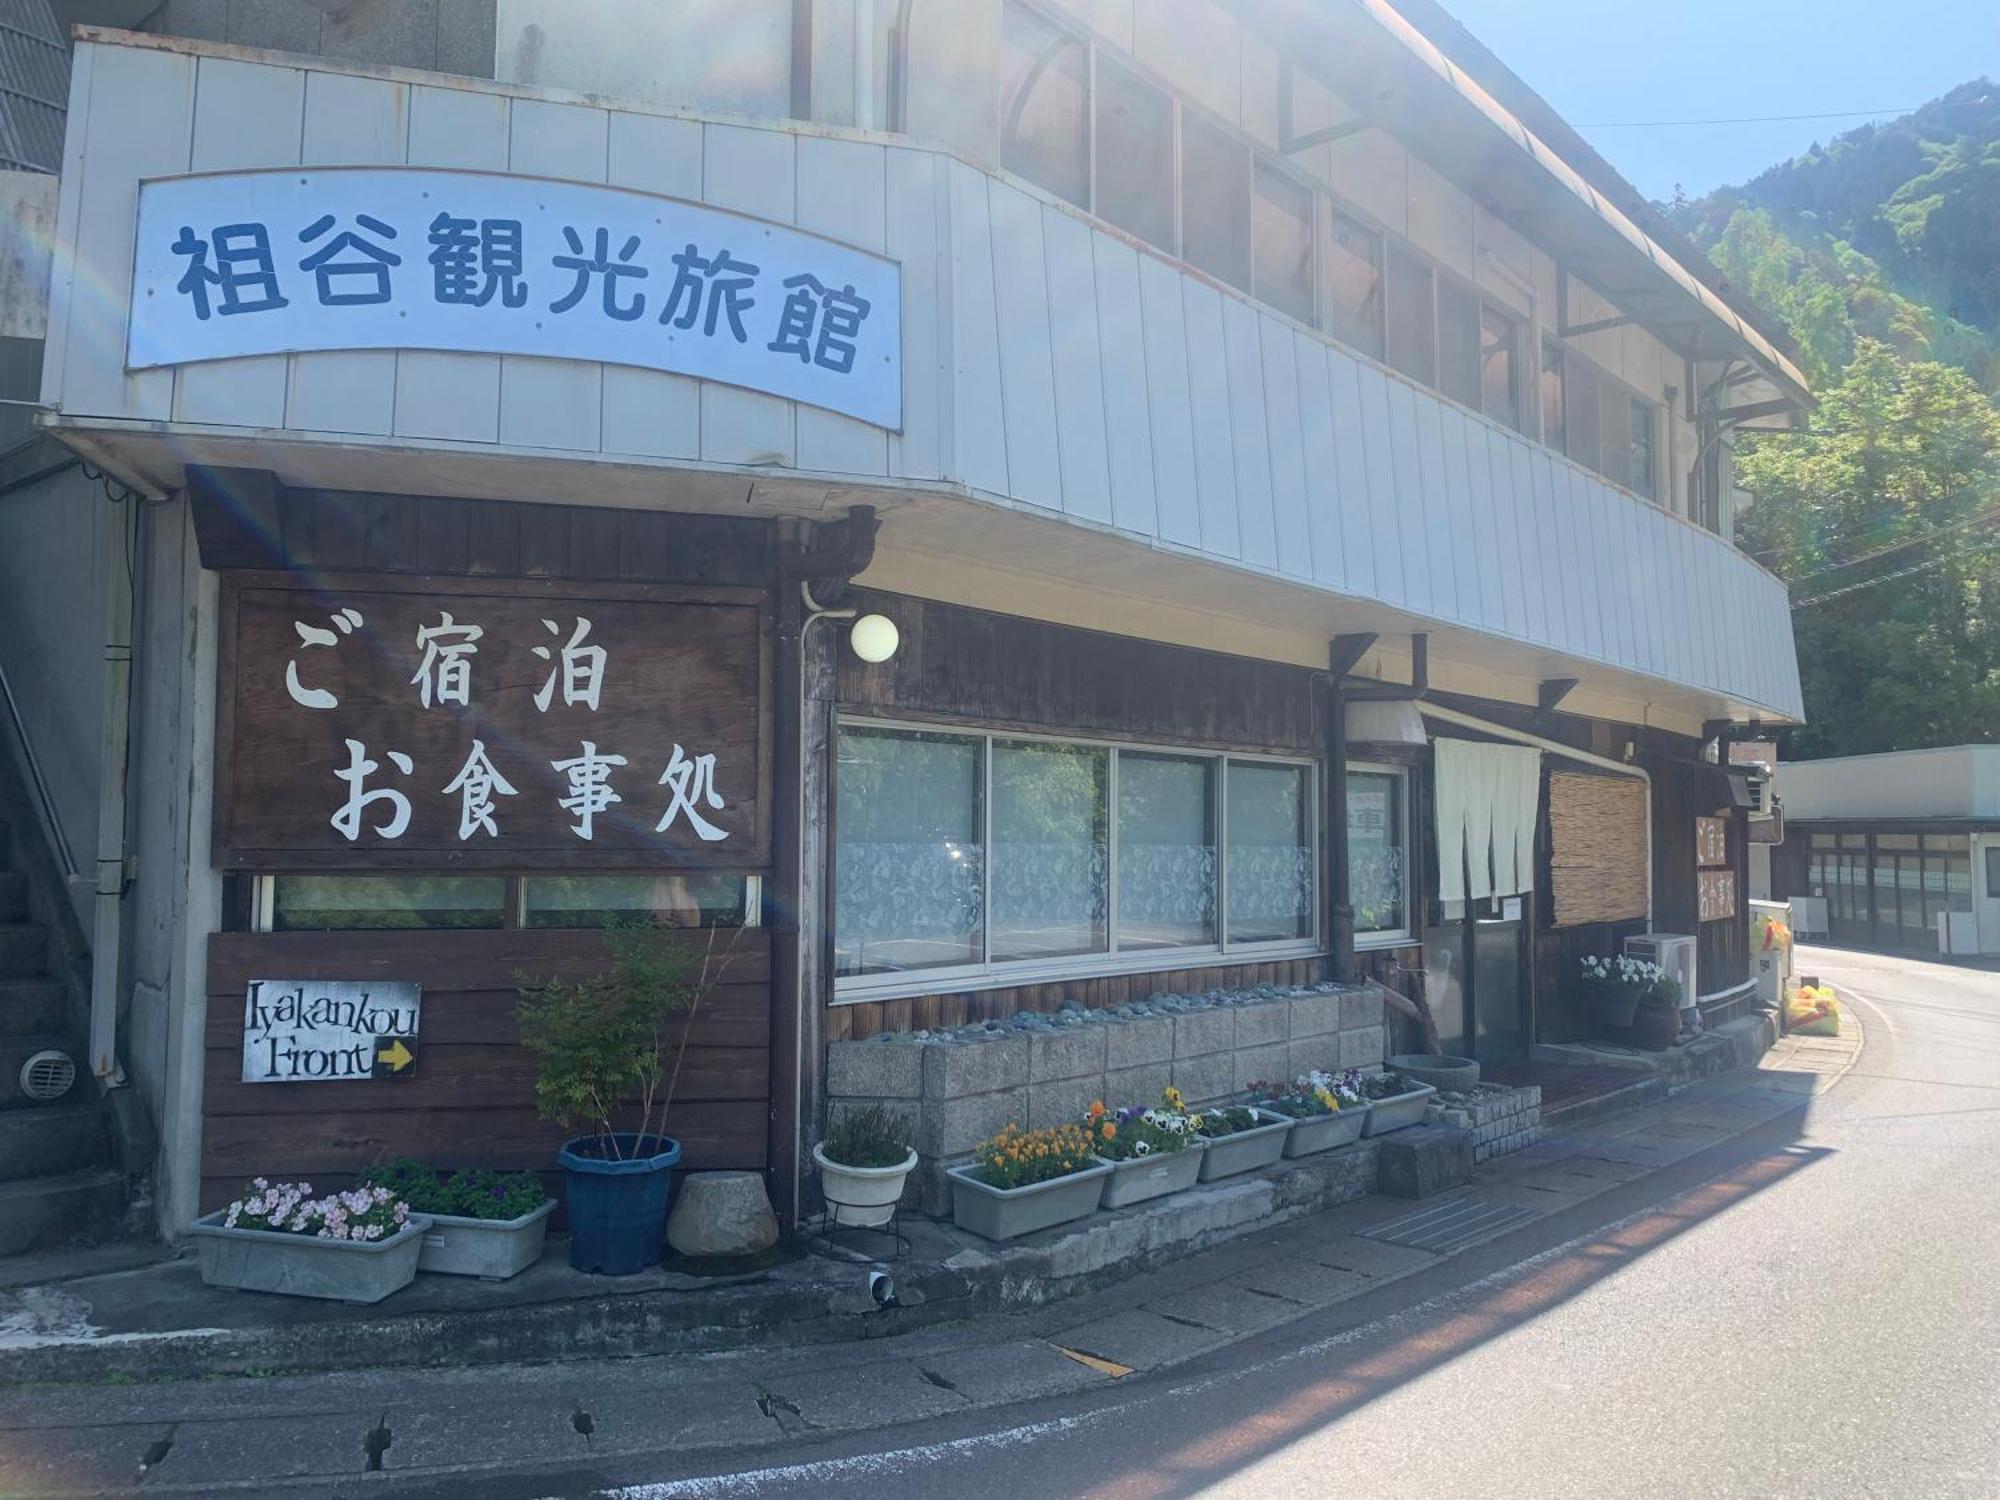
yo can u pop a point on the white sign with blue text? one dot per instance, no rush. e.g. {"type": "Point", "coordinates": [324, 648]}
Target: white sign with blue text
{"type": "Point", "coordinates": [235, 264]}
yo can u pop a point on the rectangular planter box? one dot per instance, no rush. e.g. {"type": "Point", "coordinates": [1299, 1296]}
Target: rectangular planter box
{"type": "Point", "coordinates": [1324, 1132]}
{"type": "Point", "coordinates": [492, 1248]}
{"type": "Point", "coordinates": [1152, 1176]}
{"type": "Point", "coordinates": [1247, 1150]}
{"type": "Point", "coordinates": [1385, 1115]}
{"type": "Point", "coordinates": [1008, 1213]}
{"type": "Point", "coordinates": [297, 1265]}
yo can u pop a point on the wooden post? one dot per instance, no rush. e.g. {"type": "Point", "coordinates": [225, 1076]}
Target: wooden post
{"type": "Point", "coordinates": [781, 906]}
{"type": "Point", "coordinates": [1343, 653]}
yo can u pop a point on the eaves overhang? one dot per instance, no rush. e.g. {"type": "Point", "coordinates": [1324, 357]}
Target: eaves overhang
{"type": "Point", "coordinates": [1400, 80]}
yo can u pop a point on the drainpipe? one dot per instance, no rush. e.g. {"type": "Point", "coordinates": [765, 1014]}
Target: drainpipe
{"type": "Point", "coordinates": [107, 925]}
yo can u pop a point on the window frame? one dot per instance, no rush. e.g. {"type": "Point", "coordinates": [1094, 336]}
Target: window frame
{"type": "Point", "coordinates": [1404, 936]}
{"type": "Point", "coordinates": [852, 989]}
{"type": "Point", "coordinates": [514, 911]}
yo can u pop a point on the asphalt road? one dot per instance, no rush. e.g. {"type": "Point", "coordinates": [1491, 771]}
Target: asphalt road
{"type": "Point", "coordinates": [1811, 1311]}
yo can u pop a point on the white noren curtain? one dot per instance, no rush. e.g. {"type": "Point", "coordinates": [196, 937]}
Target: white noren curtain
{"type": "Point", "coordinates": [1485, 799]}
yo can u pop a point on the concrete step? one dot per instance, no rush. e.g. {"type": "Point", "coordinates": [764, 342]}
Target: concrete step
{"type": "Point", "coordinates": [32, 1006]}
{"type": "Point", "coordinates": [50, 1140]}
{"type": "Point", "coordinates": [24, 950]}
{"type": "Point", "coordinates": [41, 1211]}
{"type": "Point", "coordinates": [13, 896]}
{"type": "Point", "coordinates": [15, 1050]}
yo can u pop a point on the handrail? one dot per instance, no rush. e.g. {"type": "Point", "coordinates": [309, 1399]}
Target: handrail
{"type": "Point", "coordinates": [45, 804]}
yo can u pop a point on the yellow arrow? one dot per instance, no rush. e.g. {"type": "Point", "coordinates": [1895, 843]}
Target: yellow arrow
{"type": "Point", "coordinates": [396, 1055]}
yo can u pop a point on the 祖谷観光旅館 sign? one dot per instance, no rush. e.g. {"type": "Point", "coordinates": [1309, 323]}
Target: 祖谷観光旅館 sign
{"type": "Point", "coordinates": [236, 264]}
{"type": "Point", "coordinates": [324, 1031]}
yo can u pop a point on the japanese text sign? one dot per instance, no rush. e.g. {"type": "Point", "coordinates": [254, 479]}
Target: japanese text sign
{"type": "Point", "coordinates": [468, 727]}
{"type": "Point", "coordinates": [1711, 841]}
{"type": "Point", "coordinates": [235, 264]}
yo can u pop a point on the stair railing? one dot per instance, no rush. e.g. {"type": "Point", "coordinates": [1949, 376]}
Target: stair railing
{"type": "Point", "coordinates": [45, 804]}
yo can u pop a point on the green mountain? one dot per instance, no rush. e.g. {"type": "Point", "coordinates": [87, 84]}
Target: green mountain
{"type": "Point", "coordinates": [1889, 232]}
{"type": "Point", "coordinates": [1880, 254]}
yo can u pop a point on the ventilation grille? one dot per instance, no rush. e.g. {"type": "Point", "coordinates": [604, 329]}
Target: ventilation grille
{"type": "Point", "coordinates": [47, 1075]}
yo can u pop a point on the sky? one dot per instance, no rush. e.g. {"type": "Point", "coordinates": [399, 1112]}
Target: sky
{"type": "Point", "coordinates": [1602, 62]}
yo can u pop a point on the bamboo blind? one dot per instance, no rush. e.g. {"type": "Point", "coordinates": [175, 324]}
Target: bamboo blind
{"type": "Point", "coordinates": [1597, 841]}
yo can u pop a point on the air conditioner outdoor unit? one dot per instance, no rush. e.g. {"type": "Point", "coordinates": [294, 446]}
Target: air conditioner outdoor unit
{"type": "Point", "coordinates": [1673, 952]}
{"type": "Point", "coordinates": [1760, 791]}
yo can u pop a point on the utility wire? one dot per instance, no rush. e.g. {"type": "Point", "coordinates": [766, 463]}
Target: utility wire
{"type": "Point", "coordinates": [1932, 562]}
{"type": "Point", "coordinates": [1903, 546]}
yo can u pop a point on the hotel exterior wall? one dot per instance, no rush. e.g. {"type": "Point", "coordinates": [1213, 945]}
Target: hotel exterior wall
{"type": "Point", "coordinates": [1050, 367]}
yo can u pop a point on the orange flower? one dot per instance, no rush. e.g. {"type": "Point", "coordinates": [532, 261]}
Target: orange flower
{"type": "Point", "coordinates": [1110, 1131]}
{"type": "Point", "coordinates": [1096, 1109]}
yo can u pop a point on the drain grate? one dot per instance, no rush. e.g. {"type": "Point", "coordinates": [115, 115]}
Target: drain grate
{"type": "Point", "coordinates": [1445, 1227]}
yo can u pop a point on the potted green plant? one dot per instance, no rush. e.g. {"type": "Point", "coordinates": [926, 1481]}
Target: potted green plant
{"type": "Point", "coordinates": [1394, 1102]}
{"type": "Point", "coordinates": [1024, 1180]}
{"type": "Point", "coordinates": [1656, 1024]}
{"type": "Point", "coordinates": [1152, 1152]}
{"type": "Point", "coordinates": [599, 1042]}
{"type": "Point", "coordinates": [863, 1163]}
{"type": "Point", "coordinates": [1239, 1138]}
{"type": "Point", "coordinates": [358, 1245]}
{"type": "Point", "coordinates": [1325, 1111]}
{"type": "Point", "coordinates": [487, 1224]}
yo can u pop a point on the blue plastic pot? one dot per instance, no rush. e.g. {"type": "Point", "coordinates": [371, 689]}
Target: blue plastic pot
{"type": "Point", "coordinates": [618, 1200]}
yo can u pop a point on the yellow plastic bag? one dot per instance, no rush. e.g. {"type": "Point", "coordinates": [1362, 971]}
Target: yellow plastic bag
{"type": "Point", "coordinates": [1812, 1012]}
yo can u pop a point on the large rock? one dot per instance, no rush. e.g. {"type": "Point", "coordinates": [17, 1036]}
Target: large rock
{"type": "Point", "coordinates": [722, 1213]}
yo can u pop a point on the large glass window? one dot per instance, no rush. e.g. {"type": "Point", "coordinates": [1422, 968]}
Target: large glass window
{"type": "Point", "coordinates": [1639, 475]}
{"type": "Point", "coordinates": [1269, 861]}
{"type": "Point", "coordinates": [1215, 200]}
{"type": "Point", "coordinates": [1553, 404]}
{"type": "Point", "coordinates": [1412, 336]}
{"type": "Point", "coordinates": [1135, 154]}
{"type": "Point", "coordinates": [983, 853]}
{"type": "Point", "coordinates": [1458, 342]}
{"type": "Point", "coordinates": [1282, 242]}
{"type": "Point", "coordinates": [1044, 127]}
{"type": "Point", "coordinates": [1498, 397]}
{"type": "Point", "coordinates": [910, 867]}
{"type": "Point", "coordinates": [1051, 850]}
{"type": "Point", "coordinates": [1166, 851]}
{"type": "Point", "coordinates": [382, 903]}
{"type": "Point", "coordinates": [1377, 852]}
{"type": "Point", "coordinates": [1354, 285]}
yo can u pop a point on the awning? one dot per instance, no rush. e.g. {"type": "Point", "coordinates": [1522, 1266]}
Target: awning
{"type": "Point", "coordinates": [1486, 797]}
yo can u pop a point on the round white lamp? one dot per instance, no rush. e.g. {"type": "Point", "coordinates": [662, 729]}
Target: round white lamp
{"type": "Point", "coordinates": [874, 638]}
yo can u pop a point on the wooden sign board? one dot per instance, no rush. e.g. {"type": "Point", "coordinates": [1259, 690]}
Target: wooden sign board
{"type": "Point", "coordinates": [1711, 841]}
{"type": "Point", "coordinates": [1717, 895]}
{"type": "Point", "coordinates": [329, 1030]}
{"type": "Point", "coordinates": [444, 725]}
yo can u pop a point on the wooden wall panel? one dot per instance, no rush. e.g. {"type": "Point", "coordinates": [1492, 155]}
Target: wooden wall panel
{"type": "Point", "coordinates": [471, 1101]}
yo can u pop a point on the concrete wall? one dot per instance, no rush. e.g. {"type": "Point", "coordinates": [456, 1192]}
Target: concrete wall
{"type": "Point", "coordinates": [958, 1089]}
{"type": "Point", "coordinates": [449, 36]}
{"type": "Point", "coordinates": [1961, 781]}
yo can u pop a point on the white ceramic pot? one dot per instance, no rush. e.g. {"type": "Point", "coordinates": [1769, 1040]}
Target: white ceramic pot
{"type": "Point", "coordinates": [861, 1197]}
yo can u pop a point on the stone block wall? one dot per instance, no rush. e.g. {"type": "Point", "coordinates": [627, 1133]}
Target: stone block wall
{"type": "Point", "coordinates": [956, 1088]}
{"type": "Point", "coordinates": [1501, 1119]}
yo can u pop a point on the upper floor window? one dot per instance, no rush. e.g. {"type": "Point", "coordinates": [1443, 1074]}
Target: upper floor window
{"type": "Point", "coordinates": [1135, 155]}
{"type": "Point", "coordinates": [1640, 475]}
{"type": "Point", "coordinates": [1498, 396]}
{"type": "Point", "coordinates": [1412, 321]}
{"type": "Point", "coordinates": [1044, 126]}
{"type": "Point", "coordinates": [1554, 407]}
{"type": "Point", "coordinates": [1215, 201]}
{"type": "Point", "coordinates": [1282, 242]}
{"type": "Point", "coordinates": [1354, 285]}
{"type": "Point", "coordinates": [1599, 421]}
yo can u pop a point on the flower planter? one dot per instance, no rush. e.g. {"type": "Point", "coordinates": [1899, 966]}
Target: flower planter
{"type": "Point", "coordinates": [1393, 1113]}
{"type": "Point", "coordinates": [301, 1265]}
{"type": "Point", "coordinates": [1008, 1213]}
{"type": "Point", "coordinates": [1318, 1133]}
{"type": "Point", "coordinates": [1142, 1177]}
{"type": "Point", "coordinates": [1616, 1003]}
{"type": "Point", "coordinates": [494, 1249]}
{"type": "Point", "coordinates": [1656, 1027]}
{"type": "Point", "coordinates": [618, 1205]}
{"type": "Point", "coordinates": [861, 1197]}
{"type": "Point", "coordinates": [1247, 1150]}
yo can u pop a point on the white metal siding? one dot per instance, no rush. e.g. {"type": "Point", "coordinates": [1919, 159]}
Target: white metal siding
{"type": "Point", "coordinates": [1047, 363]}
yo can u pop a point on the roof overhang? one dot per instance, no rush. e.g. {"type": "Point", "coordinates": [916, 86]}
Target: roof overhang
{"type": "Point", "coordinates": [1386, 68]}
